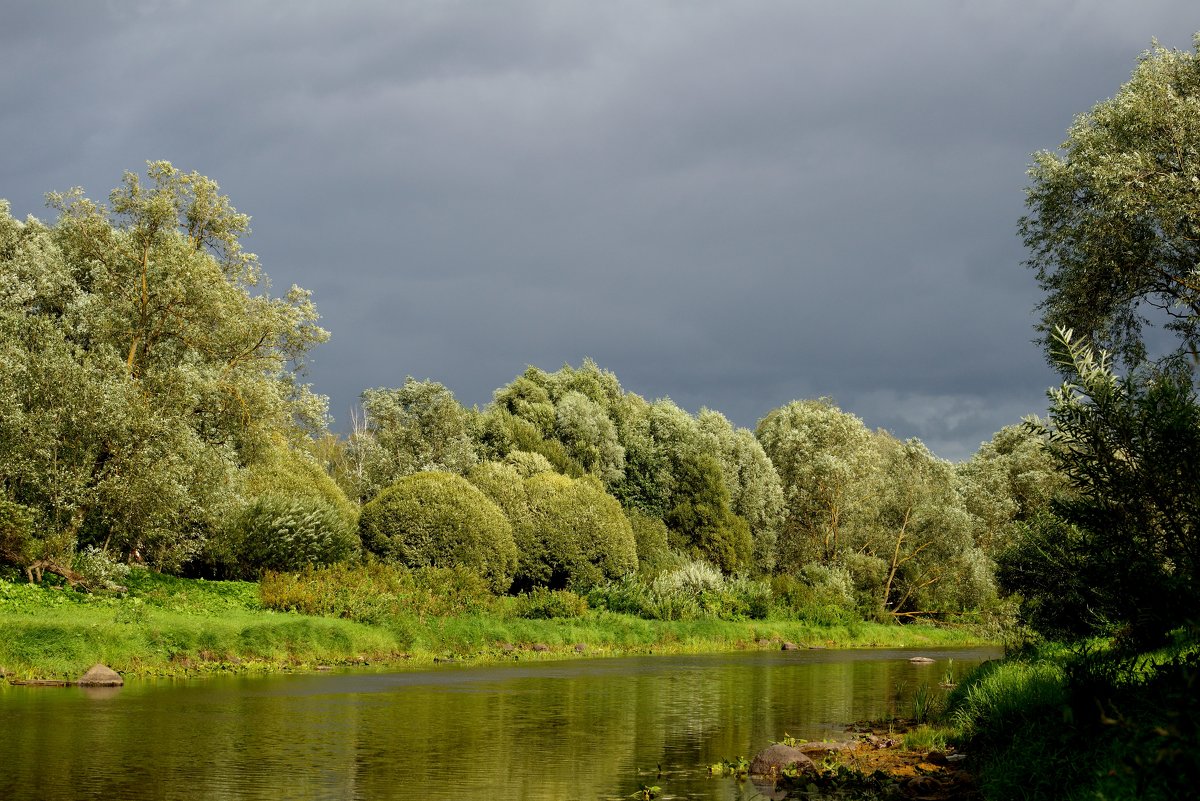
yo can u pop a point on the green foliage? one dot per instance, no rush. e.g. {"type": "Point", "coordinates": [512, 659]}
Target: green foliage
{"type": "Point", "coordinates": [925, 738]}
{"type": "Point", "coordinates": [1049, 567]}
{"type": "Point", "coordinates": [701, 519]}
{"type": "Point", "coordinates": [98, 570]}
{"type": "Point", "coordinates": [818, 594]}
{"type": "Point", "coordinates": [694, 591]}
{"type": "Point", "coordinates": [16, 532]}
{"type": "Point", "coordinates": [440, 520]}
{"type": "Point", "coordinates": [1008, 481]}
{"type": "Point", "coordinates": [1114, 214]}
{"type": "Point", "coordinates": [281, 533]}
{"type": "Point", "coordinates": [141, 362]}
{"type": "Point", "coordinates": [823, 456]}
{"type": "Point", "coordinates": [650, 535]}
{"type": "Point", "coordinates": [1057, 724]}
{"type": "Point", "coordinates": [502, 433]}
{"type": "Point", "coordinates": [569, 532]}
{"type": "Point", "coordinates": [377, 592]}
{"type": "Point", "coordinates": [581, 531]}
{"type": "Point", "coordinates": [755, 489]}
{"type": "Point", "coordinates": [287, 471]}
{"type": "Point", "coordinates": [544, 603]}
{"type": "Point", "coordinates": [1130, 451]}
{"type": "Point", "coordinates": [418, 427]}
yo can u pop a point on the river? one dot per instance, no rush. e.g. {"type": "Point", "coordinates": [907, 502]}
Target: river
{"type": "Point", "coordinates": [542, 731]}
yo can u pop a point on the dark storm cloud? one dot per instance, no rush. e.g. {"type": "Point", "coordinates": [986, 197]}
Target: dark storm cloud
{"type": "Point", "coordinates": [733, 204]}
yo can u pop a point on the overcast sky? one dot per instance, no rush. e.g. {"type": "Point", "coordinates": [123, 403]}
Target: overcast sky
{"type": "Point", "coordinates": [734, 204]}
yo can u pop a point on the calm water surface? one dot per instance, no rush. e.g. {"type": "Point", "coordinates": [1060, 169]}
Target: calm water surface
{"type": "Point", "coordinates": [588, 729]}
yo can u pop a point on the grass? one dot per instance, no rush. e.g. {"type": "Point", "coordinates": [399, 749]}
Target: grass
{"type": "Point", "coordinates": [1083, 723]}
{"type": "Point", "coordinates": [167, 626]}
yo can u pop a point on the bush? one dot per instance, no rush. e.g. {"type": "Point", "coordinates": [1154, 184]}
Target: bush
{"type": "Point", "coordinates": [819, 594]}
{"type": "Point", "coordinates": [280, 533]}
{"type": "Point", "coordinates": [579, 535]}
{"type": "Point", "coordinates": [569, 533]}
{"type": "Point", "coordinates": [283, 471]}
{"type": "Point", "coordinates": [695, 590]}
{"type": "Point", "coordinates": [750, 599]}
{"type": "Point", "coordinates": [98, 570]}
{"type": "Point", "coordinates": [543, 603]}
{"type": "Point", "coordinates": [628, 595]}
{"type": "Point", "coordinates": [440, 520]}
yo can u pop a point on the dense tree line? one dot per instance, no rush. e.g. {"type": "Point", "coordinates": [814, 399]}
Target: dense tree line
{"type": "Point", "coordinates": [153, 410]}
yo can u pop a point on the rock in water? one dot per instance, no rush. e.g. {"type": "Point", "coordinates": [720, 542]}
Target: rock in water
{"type": "Point", "coordinates": [100, 676]}
{"type": "Point", "coordinates": [921, 660]}
{"type": "Point", "coordinates": [772, 760]}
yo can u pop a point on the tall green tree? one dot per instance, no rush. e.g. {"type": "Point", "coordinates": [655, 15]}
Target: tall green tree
{"type": "Point", "coordinates": [142, 365]}
{"type": "Point", "coordinates": [824, 457]}
{"type": "Point", "coordinates": [1113, 228]}
{"type": "Point", "coordinates": [1010, 480]}
{"type": "Point", "coordinates": [1129, 448]}
{"type": "Point", "coordinates": [418, 427]}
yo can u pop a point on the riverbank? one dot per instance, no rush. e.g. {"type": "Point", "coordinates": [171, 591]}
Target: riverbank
{"type": "Point", "coordinates": [1080, 722]}
{"type": "Point", "coordinates": [175, 627]}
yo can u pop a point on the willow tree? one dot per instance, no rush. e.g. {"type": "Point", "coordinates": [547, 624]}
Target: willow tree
{"type": "Point", "coordinates": [414, 428]}
{"type": "Point", "coordinates": [142, 365]}
{"type": "Point", "coordinates": [824, 457]}
{"type": "Point", "coordinates": [1113, 228]}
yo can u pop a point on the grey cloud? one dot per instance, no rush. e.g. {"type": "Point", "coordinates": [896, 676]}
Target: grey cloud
{"type": "Point", "coordinates": [731, 204]}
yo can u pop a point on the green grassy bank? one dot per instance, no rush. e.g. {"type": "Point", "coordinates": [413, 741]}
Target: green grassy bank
{"type": "Point", "coordinates": [1086, 722]}
{"type": "Point", "coordinates": [166, 626]}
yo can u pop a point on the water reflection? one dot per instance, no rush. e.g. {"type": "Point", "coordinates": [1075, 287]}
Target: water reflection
{"type": "Point", "coordinates": [588, 729]}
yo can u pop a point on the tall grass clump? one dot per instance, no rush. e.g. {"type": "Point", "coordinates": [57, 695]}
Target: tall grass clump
{"type": "Point", "coordinates": [378, 592]}
{"type": "Point", "coordinates": [1000, 696]}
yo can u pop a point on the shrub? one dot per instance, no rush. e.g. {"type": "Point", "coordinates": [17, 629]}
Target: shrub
{"type": "Point", "coordinates": [695, 590]}
{"type": "Point", "coordinates": [694, 578]}
{"type": "Point", "coordinates": [751, 599]}
{"type": "Point", "coordinates": [703, 524]}
{"type": "Point", "coordinates": [280, 533]}
{"type": "Point", "coordinates": [578, 536]}
{"type": "Point", "coordinates": [285, 472]}
{"type": "Point", "coordinates": [569, 533]}
{"type": "Point", "coordinates": [543, 603]}
{"type": "Point", "coordinates": [98, 570]}
{"type": "Point", "coordinates": [528, 464]}
{"type": "Point", "coordinates": [819, 594]}
{"type": "Point", "coordinates": [440, 520]}
{"type": "Point", "coordinates": [628, 595]}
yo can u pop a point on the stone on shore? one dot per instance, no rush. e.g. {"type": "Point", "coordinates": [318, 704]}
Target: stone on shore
{"type": "Point", "coordinates": [100, 676]}
{"type": "Point", "coordinates": [773, 760]}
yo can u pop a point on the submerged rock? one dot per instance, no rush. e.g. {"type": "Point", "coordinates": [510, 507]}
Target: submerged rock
{"type": "Point", "coordinates": [773, 760]}
{"type": "Point", "coordinates": [100, 676]}
{"type": "Point", "coordinates": [921, 660]}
